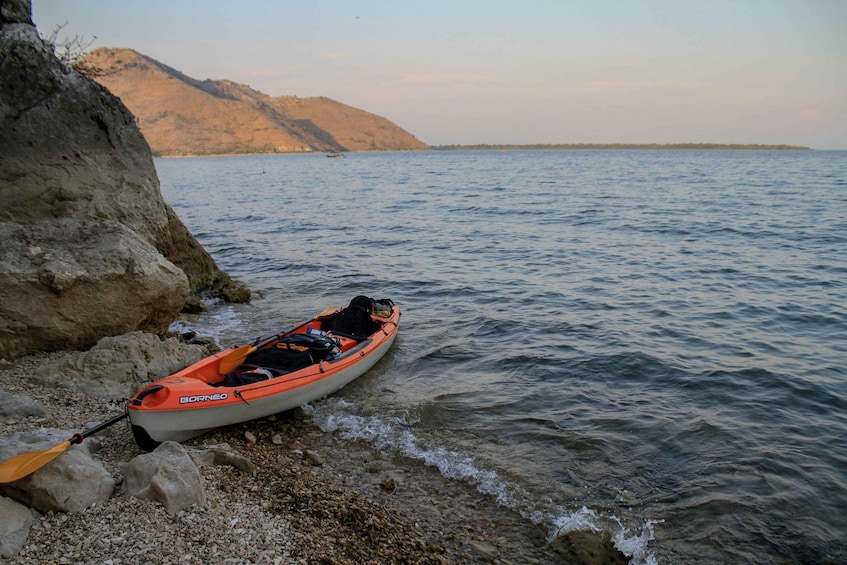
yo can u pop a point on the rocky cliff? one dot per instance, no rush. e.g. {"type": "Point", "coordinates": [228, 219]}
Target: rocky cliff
{"type": "Point", "coordinates": [90, 248]}
{"type": "Point", "coordinates": [180, 115]}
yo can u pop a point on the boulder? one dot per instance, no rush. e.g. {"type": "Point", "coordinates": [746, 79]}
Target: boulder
{"type": "Point", "coordinates": [167, 475]}
{"type": "Point", "coordinates": [15, 407]}
{"type": "Point", "coordinates": [71, 482]}
{"type": "Point", "coordinates": [15, 522]}
{"type": "Point", "coordinates": [73, 164]}
{"type": "Point", "coordinates": [117, 367]}
{"type": "Point", "coordinates": [69, 282]}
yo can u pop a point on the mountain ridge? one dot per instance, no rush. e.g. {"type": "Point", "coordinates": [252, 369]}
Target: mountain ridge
{"type": "Point", "coordinates": [180, 115]}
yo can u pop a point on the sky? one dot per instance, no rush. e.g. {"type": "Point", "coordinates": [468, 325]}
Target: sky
{"type": "Point", "coordinates": [513, 72]}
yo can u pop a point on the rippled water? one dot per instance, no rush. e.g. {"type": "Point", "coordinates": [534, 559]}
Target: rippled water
{"type": "Point", "coordinates": [652, 343]}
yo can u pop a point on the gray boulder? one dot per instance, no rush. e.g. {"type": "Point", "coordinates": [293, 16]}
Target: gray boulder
{"type": "Point", "coordinates": [167, 475]}
{"type": "Point", "coordinates": [69, 282]}
{"type": "Point", "coordinates": [71, 482]}
{"type": "Point", "coordinates": [18, 406]}
{"type": "Point", "coordinates": [72, 155]}
{"type": "Point", "coordinates": [117, 367]}
{"type": "Point", "coordinates": [15, 522]}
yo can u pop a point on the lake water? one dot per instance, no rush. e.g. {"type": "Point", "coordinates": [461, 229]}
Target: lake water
{"type": "Point", "coordinates": [652, 343]}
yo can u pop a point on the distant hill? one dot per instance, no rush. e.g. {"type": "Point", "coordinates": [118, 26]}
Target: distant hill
{"type": "Point", "coordinates": [180, 115]}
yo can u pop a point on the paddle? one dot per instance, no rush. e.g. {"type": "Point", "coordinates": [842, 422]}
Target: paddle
{"type": "Point", "coordinates": [237, 356]}
{"type": "Point", "coordinates": [23, 464]}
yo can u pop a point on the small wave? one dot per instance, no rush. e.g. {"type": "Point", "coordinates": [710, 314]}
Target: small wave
{"type": "Point", "coordinates": [219, 323]}
{"type": "Point", "coordinates": [392, 434]}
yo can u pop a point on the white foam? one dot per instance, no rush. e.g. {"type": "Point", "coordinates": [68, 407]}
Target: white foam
{"type": "Point", "coordinates": [393, 434]}
{"type": "Point", "coordinates": [582, 519]}
{"type": "Point", "coordinates": [220, 320]}
{"type": "Point", "coordinates": [635, 546]}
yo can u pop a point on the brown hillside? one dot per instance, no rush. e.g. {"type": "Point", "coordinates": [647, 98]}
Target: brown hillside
{"type": "Point", "coordinates": [179, 115]}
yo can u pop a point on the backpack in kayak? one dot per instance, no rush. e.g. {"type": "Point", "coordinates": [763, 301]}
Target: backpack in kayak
{"type": "Point", "coordinates": [320, 347]}
{"type": "Point", "coordinates": [382, 307]}
{"type": "Point", "coordinates": [355, 320]}
{"type": "Point", "coordinates": [279, 360]}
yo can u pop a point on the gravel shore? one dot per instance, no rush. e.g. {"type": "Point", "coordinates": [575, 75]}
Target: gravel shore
{"type": "Point", "coordinates": [314, 499]}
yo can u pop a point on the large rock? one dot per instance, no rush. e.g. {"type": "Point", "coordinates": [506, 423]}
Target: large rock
{"type": "Point", "coordinates": [67, 282]}
{"type": "Point", "coordinates": [72, 155]}
{"type": "Point", "coordinates": [15, 522]}
{"type": "Point", "coordinates": [18, 406]}
{"type": "Point", "coordinates": [167, 475]}
{"type": "Point", "coordinates": [71, 482]}
{"type": "Point", "coordinates": [117, 367]}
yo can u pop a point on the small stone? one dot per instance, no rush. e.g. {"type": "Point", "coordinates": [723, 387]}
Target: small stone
{"type": "Point", "coordinates": [250, 437]}
{"type": "Point", "coordinates": [388, 485]}
{"type": "Point", "coordinates": [486, 551]}
{"type": "Point", "coordinates": [194, 305]}
{"type": "Point", "coordinates": [277, 439]}
{"type": "Point", "coordinates": [312, 458]}
{"type": "Point", "coordinates": [378, 466]}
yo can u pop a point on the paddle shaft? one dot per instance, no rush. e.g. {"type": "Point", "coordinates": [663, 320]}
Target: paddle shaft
{"type": "Point", "coordinates": [98, 428]}
{"type": "Point", "coordinates": [237, 356]}
{"type": "Point", "coordinates": [283, 333]}
{"type": "Point", "coordinates": [260, 342]}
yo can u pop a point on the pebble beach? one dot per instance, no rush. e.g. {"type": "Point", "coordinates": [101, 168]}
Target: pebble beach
{"type": "Point", "coordinates": [314, 498]}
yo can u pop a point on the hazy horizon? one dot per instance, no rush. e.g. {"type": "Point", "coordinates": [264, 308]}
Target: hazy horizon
{"type": "Point", "coordinates": [540, 72]}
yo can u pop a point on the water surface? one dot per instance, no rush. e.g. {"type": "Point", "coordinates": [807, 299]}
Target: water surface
{"type": "Point", "coordinates": [646, 342]}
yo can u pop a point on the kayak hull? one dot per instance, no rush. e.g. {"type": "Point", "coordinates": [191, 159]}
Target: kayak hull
{"type": "Point", "coordinates": [188, 403]}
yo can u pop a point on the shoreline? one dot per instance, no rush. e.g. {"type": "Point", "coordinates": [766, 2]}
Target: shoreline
{"type": "Point", "coordinates": [528, 147]}
{"type": "Point", "coordinates": [315, 498]}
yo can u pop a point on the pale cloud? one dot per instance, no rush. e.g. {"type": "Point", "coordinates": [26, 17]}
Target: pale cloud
{"type": "Point", "coordinates": [624, 84]}
{"type": "Point", "coordinates": [811, 114]}
{"type": "Point", "coordinates": [445, 78]}
{"type": "Point", "coordinates": [613, 84]}
{"type": "Point", "coordinates": [275, 72]}
{"type": "Point", "coordinates": [336, 55]}
{"type": "Point", "coordinates": [431, 78]}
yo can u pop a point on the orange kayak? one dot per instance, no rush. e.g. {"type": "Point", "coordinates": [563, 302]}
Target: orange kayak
{"type": "Point", "coordinates": [272, 374]}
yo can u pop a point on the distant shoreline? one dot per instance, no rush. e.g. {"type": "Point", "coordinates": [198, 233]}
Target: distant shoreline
{"type": "Point", "coordinates": [700, 146]}
{"type": "Point", "coordinates": [528, 147]}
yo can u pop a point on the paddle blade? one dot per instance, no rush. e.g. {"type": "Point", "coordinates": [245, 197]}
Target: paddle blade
{"type": "Point", "coordinates": [22, 465]}
{"type": "Point", "coordinates": [235, 358]}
